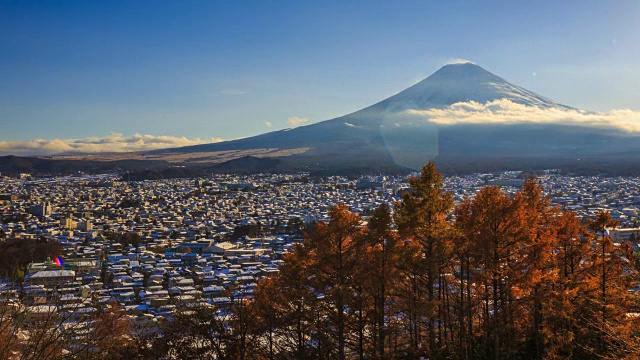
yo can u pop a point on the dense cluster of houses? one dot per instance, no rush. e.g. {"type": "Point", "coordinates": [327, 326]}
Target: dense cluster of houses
{"type": "Point", "coordinates": [154, 246]}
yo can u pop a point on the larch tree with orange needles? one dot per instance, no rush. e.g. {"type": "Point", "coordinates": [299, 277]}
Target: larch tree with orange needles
{"type": "Point", "coordinates": [383, 255]}
{"type": "Point", "coordinates": [335, 250]}
{"type": "Point", "coordinates": [496, 230]}
{"type": "Point", "coordinates": [423, 216]}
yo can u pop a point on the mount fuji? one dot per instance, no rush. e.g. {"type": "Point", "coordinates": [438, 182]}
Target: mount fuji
{"type": "Point", "coordinates": [462, 116]}
{"type": "Point", "coordinates": [398, 132]}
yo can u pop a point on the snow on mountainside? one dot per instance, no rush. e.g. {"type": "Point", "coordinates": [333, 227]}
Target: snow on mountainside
{"type": "Point", "coordinates": [465, 82]}
{"type": "Point", "coordinates": [452, 84]}
{"type": "Point", "coordinates": [370, 126]}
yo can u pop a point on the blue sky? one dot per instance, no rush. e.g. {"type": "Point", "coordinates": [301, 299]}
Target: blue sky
{"type": "Point", "coordinates": [228, 69]}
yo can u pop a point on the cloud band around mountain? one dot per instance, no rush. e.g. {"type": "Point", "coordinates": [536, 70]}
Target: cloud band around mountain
{"type": "Point", "coordinates": [112, 143]}
{"type": "Point", "coordinates": [504, 111]}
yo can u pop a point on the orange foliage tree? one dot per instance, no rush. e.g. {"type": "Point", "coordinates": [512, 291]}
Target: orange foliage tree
{"type": "Point", "coordinates": [422, 216]}
{"type": "Point", "coordinates": [500, 276]}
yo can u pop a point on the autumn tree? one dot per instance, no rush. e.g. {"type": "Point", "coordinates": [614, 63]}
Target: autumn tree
{"type": "Point", "coordinates": [381, 274]}
{"type": "Point", "coordinates": [539, 245]}
{"type": "Point", "coordinates": [243, 321]}
{"type": "Point", "coordinates": [294, 302]}
{"type": "Point", "coordinates": [335, 250]}
{"type": "Point", "coordinates": [268, 309]}
{"type": "Point", "coordinates": [600, 226]}
{"type": "Point", "coordinates": [494, 225]}
{"type": "Point", "coordinates": [573, 244]}
{"type": "Point", "coordinates": [605, 300]}
{"type": "Point", "coordinates": [561, 309]}
{"type": "Point", "coordinates": [465, 298]}
{"type": "Point", "coordinates": [422, 216]}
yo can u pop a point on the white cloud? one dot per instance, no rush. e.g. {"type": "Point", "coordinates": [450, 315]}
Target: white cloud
{"type": "Point", "coordinates": [458, 61]}
{"type": "Point", "coordinates": [112, 143]}
{"type": "Point", "coordinates": [297, 121]}
{"type": "Point", "coordinates": [504, 111]}
{"type": "Point", "coordinates": [268, 124]}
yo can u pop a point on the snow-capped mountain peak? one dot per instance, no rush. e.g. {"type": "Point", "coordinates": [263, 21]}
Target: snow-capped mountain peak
{"type": "Point", "coordinates": [464, 82]}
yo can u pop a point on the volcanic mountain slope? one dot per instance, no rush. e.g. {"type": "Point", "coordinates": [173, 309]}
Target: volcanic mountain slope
{"type": "Point", "coordinates": [393, 132]}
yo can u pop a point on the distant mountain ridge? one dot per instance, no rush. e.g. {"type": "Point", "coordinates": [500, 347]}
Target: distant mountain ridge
{"type": "Point", "coordinates": [395, 135]}
{"type": "Point", "coordinates": [384, 135]}
{"type": "Point", "coordinates": [451, 84]}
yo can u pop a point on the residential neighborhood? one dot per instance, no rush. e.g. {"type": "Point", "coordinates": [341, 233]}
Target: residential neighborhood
{"type": "Point", "coordinates": [151, 247]}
